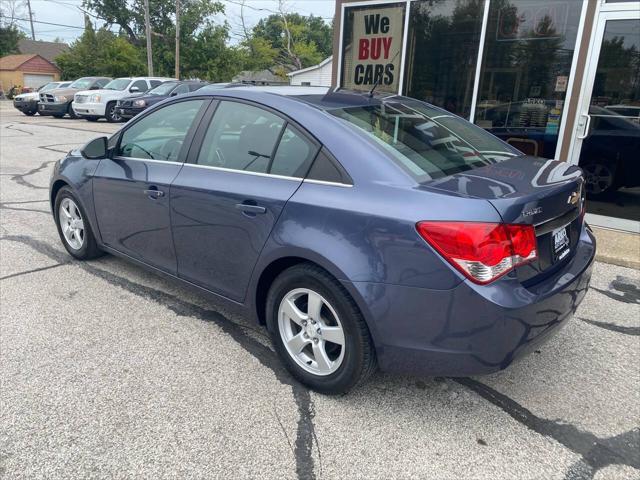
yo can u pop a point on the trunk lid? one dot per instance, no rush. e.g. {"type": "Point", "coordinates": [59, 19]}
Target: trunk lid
{"type": "Point", "coordinates": [527, 190]}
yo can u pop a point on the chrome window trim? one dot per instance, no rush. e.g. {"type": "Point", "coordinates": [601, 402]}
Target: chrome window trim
{"type": "Point", "coordinates": [269, 175]}
{"type": "Point", "coordinates": [120, 157]}
{"type": "Point", "coordinates": [244, 172]}
{"type": "Point", "coordinates": [325, 182]}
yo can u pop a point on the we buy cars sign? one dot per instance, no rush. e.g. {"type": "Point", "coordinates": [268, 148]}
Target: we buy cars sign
{"type": "Point", "coordinates": [376, 49]}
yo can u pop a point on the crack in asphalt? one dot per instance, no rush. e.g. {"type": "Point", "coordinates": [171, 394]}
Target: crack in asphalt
{"type": "Point", "coordinates": [596, 453]}
{"type": "Point", "coordinates": [12, 127]}
{"type": "Point", "coordinates": [19, 177]}
{"type": "Point", "coordinates": [4, 206]}
{"type": "Point", "coordinates": [634, 331]}
{"type": "Point", "coordinates": [34, 270]}
{"type": "Point", "coordinates": [266, 356]}
{"type": "Point", "coordinates": [60, 126]}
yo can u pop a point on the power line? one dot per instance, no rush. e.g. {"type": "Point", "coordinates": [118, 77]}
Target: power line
{"type": "Point", "coordinates": [49, 23]}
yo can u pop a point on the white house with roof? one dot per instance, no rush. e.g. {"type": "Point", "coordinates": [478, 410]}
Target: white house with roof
{"type": "Point", "coordinates": [315, 76]}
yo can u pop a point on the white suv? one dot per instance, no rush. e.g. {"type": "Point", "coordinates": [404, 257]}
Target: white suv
{"type": "Point", "coordinates": [93, 104]}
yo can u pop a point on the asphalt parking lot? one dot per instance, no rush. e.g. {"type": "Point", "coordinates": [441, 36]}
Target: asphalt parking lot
{"type": "Point", "coordinates": [109, 371]}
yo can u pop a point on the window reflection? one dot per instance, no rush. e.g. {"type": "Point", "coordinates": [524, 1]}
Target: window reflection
{"type": "Point", "coordinates": [525, 71]}
{"type": "Point", "coordinates": [442, 52]}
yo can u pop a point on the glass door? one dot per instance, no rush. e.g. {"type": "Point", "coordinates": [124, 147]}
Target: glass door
{"type": "Point", "coordinates": [607, 137]}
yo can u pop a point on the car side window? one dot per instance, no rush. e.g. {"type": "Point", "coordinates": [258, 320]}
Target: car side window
{"type": "Point", "coordinates": [141, 84]}
{"type": "Point", "coordinates": [155, 83]}
{"type": "Point", "coordinates": [159, 135]}
{"type": "Point", "coordinates": [240, 137]}
{"type": "Point", "coordinates": [180, 89]}
{"type": "Point", "coordinates": [294, 155]}
{"type": "Point", "coordinates": [102, 82]}
{"type": "Point", "coordinates": [327, 169]}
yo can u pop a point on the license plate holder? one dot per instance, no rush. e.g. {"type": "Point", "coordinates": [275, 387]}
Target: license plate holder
{"type": "Point", "coordinates": [560, 243]}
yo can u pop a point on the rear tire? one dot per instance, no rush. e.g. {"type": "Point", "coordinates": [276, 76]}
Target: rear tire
{"type": "Point", "coordinates": [74, 227]}
{"type": "Point", "coordinates": [91, 119]}
{"type": "Point", "coordinates": [309, 345]}
{"type": "Point", "coordinates": [29, 113]}
{"type": "Point", "coordinates": [57, 115]}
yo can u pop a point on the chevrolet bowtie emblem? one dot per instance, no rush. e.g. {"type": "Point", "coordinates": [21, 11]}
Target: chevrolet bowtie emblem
{"type": "Point", "coordinates": [573, 198]}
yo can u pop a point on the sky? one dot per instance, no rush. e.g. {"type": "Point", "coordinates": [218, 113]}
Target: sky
{"type": "Point", "coordinates": [66, 12]}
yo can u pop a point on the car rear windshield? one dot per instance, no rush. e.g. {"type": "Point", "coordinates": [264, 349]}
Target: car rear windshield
{"type": "Point", "coordinates": [118, 84]}
{"type": "Point", "coordinates": [162, 89]}
{"type": "Point", "coordinates": [82, 83]}
{"type": "Point", "coordinates": [427, 142]}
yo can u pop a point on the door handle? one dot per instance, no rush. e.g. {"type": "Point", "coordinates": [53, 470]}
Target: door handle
{"type": "Point", "coordinates": [154, 193]}
{"type": "Point", "coordinates": [587, 125]}
{"type": "Point", "coordinates": [249, 208]}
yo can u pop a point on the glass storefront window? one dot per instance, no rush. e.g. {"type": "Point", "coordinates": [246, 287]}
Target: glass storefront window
{"type": "Point", "coordinates": [442, 52]}
{"type": "Point", "coordinates": [372, 47]}
{"type": "Point", "coordinates": [527, 58]}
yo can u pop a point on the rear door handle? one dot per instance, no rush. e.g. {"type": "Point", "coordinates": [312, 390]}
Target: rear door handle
{"type": "Point", "coordinates": [154, 193]}
{"type": "Point", "coordinates": [248, 208]}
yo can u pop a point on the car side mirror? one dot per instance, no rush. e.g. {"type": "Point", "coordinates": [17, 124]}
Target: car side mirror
{"type": "Point", "coordinates": [96, 149]}
{"type": "Point", "coordinates": [134, 89]}
{"type": "Point", "coordinates": [173, 94]}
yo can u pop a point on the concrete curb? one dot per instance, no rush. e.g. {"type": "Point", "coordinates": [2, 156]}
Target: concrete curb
{"type": "Point", "coordinates": [617, 248]}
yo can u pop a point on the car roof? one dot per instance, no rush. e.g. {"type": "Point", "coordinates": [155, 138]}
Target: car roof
{"type": "Point", "coordinates": [320, 97]}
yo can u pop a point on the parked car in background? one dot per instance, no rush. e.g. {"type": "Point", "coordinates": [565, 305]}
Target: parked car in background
{"type": "Point", "coordinates": [27, 103]}
{"type": "Point", "coordinates": [92, 105]}
{"type": "Point", "coordinates": [129, 107]}
{"type": "Point", "coordinates": [361, 229]}
{"type": "Point", "coordinates": [58, 102]}
{"type": "Point", "coordinates": [609, 152]}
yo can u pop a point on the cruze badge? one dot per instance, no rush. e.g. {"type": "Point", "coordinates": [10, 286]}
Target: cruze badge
{"type": "Point", "coordinates": [533, 211]}
{"type": "Point", "coordinates": [573, 198]}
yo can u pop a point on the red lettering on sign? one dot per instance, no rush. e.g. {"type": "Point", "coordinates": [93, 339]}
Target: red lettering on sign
{"type": "Point", "coordinates": [363, 50]}
{"type": "Point", "coordinates": [386, 45]}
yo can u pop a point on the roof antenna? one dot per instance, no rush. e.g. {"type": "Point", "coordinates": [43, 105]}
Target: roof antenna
{"type": "Point", "coordinates": [374, 87]}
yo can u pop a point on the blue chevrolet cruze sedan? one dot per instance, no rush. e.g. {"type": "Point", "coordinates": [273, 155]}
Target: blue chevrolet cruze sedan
{"type": "Point", "coordinates": [362, 230]}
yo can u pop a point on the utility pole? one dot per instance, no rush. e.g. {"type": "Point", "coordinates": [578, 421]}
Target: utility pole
{"type": "Point", "coordinates": [148, 31]}
{"type": "Point", "coordinates": [177, 39]}
{"type": "Point", "coordinates": [33, 33]}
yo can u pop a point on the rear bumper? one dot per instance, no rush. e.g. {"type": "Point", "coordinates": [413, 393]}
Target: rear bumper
{"type": "Point", "coordinates": [88, 109]}
{"type": "Point", "coordinates": [45, 108]}
{"type": "Point", "coordinates": [26, 106]}
{"type": "Point", "coordinates": [472, 329]}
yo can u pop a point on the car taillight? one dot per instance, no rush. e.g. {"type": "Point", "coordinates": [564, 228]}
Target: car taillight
{"type": "Point", "coordinates": [481, 251]}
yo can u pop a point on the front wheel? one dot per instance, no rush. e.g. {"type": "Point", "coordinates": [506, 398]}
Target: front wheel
{"type": "Point", "coordinates": [29, 113]}
{"type": "Point", "coordinates": [73, 227]}
{"type": "Point", "coordinates": [318, 330]}
{"type": "Point", "coordinates": [91, 119]}
{"type": "Point", "coordinates": [112, 113]}
{"type": "Point", "coordinates": [71, 112]}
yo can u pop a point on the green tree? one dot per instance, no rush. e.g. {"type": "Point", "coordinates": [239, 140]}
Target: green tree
{"type": "Point", "coordinates": [101, 53]}
{"type": "Point", "coordinates": [298, 40]}
{"type": "Point", "coordinates": [9, 36]}
{"type": "Point", "coordinates": [129, 16]}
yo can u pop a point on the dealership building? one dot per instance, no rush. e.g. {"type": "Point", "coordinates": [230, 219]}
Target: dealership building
{"type": "Point", "coordinates": [558, 79]}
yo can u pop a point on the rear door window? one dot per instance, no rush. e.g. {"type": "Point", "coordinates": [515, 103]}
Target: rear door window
{"type": "Point", "coordinates": [180, 89]}
{"type": "Point", "coordinates": [241, 137]}
{"type": "Point", "coordinates": [141, 84]}
{"type": "Point", "coordinates": [294, 154]}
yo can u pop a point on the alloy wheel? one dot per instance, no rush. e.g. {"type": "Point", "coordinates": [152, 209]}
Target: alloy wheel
{"type": "Point", "coordinates": [598, 178]}
{"type": "Point", "coordinates": [311, 331]}
{"type": "Point", "coordinates": [113, 114]}
{"type": "Point", "coordinates": [71, 223]}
